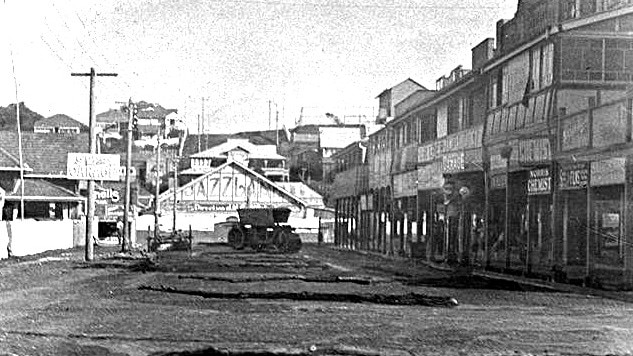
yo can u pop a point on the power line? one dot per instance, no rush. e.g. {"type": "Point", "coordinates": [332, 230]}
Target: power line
{"type": "Point", "coordinates": [83, 48]}
{"type": "Point", "coordinates": [56, 54]}
{"type": "Point", "coordinates": [362, 6]}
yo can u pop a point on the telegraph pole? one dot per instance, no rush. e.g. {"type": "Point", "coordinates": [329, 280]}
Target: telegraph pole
{"type": "Point", "coordinates": [175, 161]}
{"type": "Point", "coordinates": [90, 209]}
{"type": "Point", "coordinates": [157, 191]}
{"type": "Point", "coordinates": [127, 239]}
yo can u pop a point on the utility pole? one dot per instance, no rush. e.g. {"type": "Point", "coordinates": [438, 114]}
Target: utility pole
{"type": "Point", "coordinates": [175, 161]}
{"type": "Point", "coordinates": [206, 139]}
{"type": "Point", "coordinates": [277, 130]}
{"type": "Point", "coordinates": [157, 191]}
{"type": "Point", "coordinates": [90, 209]}
{"type": "Point", "coordinates": [199, 133]}
{"type": "Point", "coordinates": [269, 113]}
{"type": "Point", "coordinates": [127, 240]}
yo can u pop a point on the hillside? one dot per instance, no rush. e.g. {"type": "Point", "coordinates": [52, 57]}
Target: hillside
{"type": "Point", "coordinates": [27, 117]}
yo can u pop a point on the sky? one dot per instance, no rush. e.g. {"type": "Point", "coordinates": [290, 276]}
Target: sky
{"type": "Point", "coordinates": [242, 62]}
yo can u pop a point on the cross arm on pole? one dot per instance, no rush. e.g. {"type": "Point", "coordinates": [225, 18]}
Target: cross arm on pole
{"type": "Point", "coordinates": [95, 74]}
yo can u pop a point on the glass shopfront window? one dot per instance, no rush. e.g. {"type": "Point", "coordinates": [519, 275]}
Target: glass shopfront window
{"type": "Point", "coordinates": [607, 233]}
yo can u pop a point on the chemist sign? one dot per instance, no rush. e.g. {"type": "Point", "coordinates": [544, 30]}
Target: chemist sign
{"type": "Point", "coordinates": [87, 166]}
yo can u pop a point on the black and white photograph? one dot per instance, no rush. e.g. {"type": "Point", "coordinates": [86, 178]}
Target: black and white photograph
{"type": "Point", "coordinates": [316, 177]}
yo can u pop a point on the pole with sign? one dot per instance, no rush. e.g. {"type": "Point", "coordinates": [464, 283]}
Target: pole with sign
{"type": "Point", "coordinates": [93, 149]}
{"type": "Point", "coordinates": [91, 167]}
{"type": "Point", "coordinates": [125, 246]}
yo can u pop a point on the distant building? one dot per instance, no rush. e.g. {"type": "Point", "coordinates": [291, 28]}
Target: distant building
{"type": "Point", "coordinates": [264, 159]}
{"type": "Point", "coordinates": [151, 119]}
{"type": "Point", "coordinates": [58, 124]}
{"type": "Point", "coordinates": [388, 99]}
{"type": "Point", "coordinates": [314, 145]}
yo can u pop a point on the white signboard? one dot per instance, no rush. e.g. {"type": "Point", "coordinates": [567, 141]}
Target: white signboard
{"type": "Point", "coordinates": [87, 166]}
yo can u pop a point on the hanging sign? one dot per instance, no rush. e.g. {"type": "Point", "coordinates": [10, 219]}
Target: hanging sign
{"type": "Point", "coordinates": [574, 177]}
{"type": "Point", "coordinates": [453, 162]}
{"type": "Point", "coordinates": [539, 182]}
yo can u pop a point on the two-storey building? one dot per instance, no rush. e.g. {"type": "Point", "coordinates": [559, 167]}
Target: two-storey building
{"type": "Point", "coordinates": [523, 164]}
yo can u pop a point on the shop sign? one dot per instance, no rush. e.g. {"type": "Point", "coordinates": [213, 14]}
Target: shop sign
{"type": "Point", "coordinates": [534, 150]}
{"type": "Point", "coordinates": [404, 185]}
{"type": "Point", "coordinates": [498, 181]}
{"type": "Point", "coordinates": [431, 151]}
{"type": "Point", "coordinates": [107, 196]}
{"type": "Point", "coordinates": [539, 182]}
{"type": "Point", "coordinates": [608, 172]}
{"type": "Point", "coordinates": [453, 162]}
{"type": "Point", "coordinates": [574, 177]}
{"type": "Point", "coordinates": [498, 162]}
{"type": "Point", "coordinates": [89, 166]}
{"type": "Point", "coordinates": [430, 176]}
{"type": "Point", "coordinates": [460, 141]}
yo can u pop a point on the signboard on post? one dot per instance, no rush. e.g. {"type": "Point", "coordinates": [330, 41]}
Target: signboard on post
{"type": "Point", "coordinates": [88, 166]}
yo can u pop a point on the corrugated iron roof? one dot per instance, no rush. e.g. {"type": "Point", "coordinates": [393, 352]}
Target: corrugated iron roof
{"type": "Point", "coordinates": [44, 153]}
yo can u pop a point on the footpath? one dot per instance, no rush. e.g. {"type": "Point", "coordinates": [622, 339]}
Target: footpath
{"type": "Point", "coordinates": [411, 268]}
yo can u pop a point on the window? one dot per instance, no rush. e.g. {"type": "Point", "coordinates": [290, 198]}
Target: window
{"type": "Point", "coordinates": [453, 116]}
{"type": "Point", "coordinates": [536, 69]}
{"type": "Point", "coordinates": [569, 9]}
{"type": "Point", "coordinates": [515, 78]}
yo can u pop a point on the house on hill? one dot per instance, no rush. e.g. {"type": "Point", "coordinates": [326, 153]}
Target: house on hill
{"type": "Point", "coordinates": [59, 123]}
{"type": "Point", "coordinates": [262, 158]}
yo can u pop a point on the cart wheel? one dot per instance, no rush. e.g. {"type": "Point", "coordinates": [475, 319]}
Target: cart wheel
{"type": "Point", "coordinates": [280, 240]}
{"type": "Point", "coordinates": [236, 238]}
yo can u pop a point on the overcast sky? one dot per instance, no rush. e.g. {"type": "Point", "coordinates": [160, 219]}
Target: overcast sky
{"type": "Point", "coordinates": [323, 55]}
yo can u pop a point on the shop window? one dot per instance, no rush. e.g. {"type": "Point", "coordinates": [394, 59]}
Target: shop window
{"type": "Point", "coordinates": [608, 223]}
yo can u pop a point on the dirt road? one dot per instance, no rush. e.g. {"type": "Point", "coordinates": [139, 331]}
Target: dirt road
{"type": "Point", "coordinates": [318, 301]}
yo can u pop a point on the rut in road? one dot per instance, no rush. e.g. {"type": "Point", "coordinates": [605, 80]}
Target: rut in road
{"type": "Point", "coordinates": [389, 299]}
{"type": "Point", "coordinates": [315, 279]}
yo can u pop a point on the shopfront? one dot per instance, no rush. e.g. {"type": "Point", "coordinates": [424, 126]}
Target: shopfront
{"type": "Point", "coordinates": [573, 185]}
{"type": "Point", "coordinates": [607, 238]}
{"type": "Point", "coordinates": [535, 241]}
{"type": "Point", "coordinates": [430, 242]}
{"type": "Point", "coordinates": [464, 198]}
{"type": "Point", "coordinates": [507, 202]}
{"type": "Point", "coordinates": [539, 241]}
{"type": "Point", "coordinates": [404, 218]}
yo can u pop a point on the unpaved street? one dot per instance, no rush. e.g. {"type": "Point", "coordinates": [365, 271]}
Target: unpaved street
{"type": "Point", "coordinates": [318, 301]}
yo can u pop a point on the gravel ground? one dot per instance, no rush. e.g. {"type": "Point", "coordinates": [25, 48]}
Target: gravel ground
{"type": "Point", "coordinates": [55, 304]}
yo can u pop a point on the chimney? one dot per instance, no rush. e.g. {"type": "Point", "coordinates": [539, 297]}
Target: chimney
{"type": "Point", "coordinates": [482, 53]}
{"type": "Point", "coordinates": [500, 34]}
